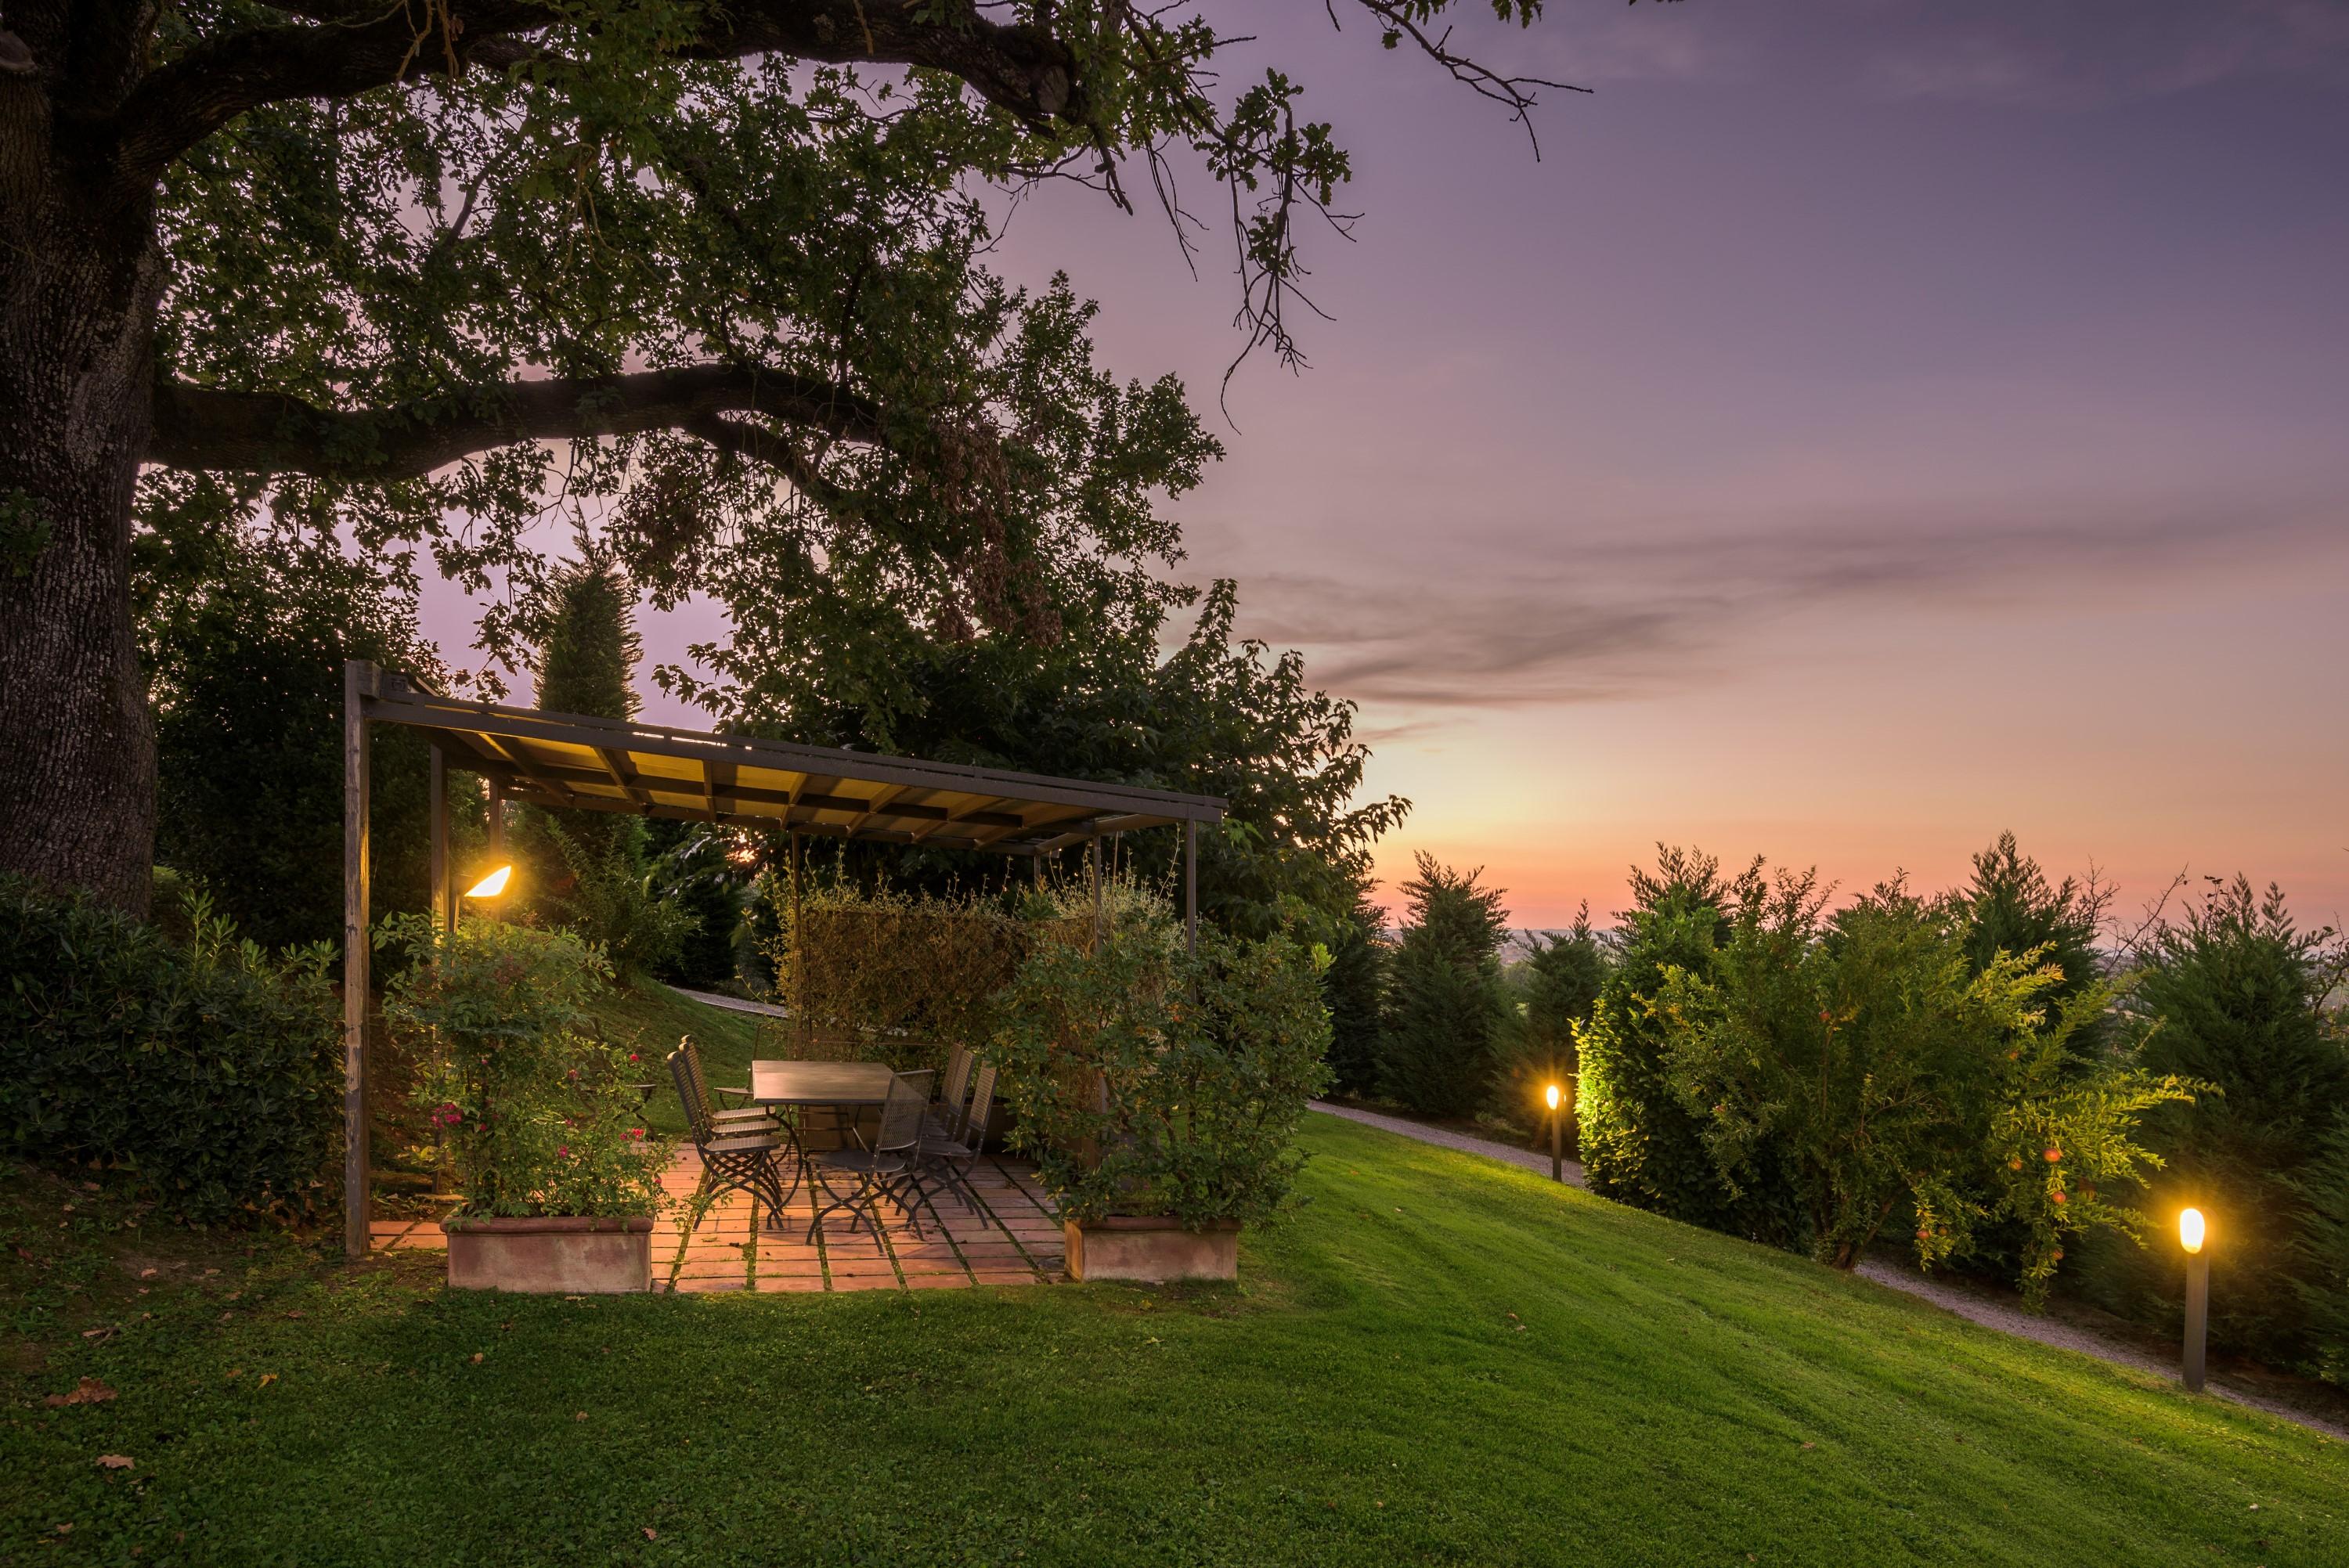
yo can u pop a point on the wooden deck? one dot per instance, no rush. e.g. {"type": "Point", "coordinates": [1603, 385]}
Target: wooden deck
{"type": "Point", "coordinates": [1012, 1239]}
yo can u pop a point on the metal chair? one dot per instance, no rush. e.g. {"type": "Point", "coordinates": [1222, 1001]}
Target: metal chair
{"type": "Point", "coordinates": [885, 1169]}
{"type": "Point", "coordinates": [739, 1158]}
{"type": "Point", "coordinates": [745, 1117]}
{"type": "Point", "coordinates": [954, 1094]}
{"type": "Point", "coordinates": [952, 1156]}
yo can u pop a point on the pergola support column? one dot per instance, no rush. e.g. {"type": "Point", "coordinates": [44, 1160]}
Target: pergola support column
{"type": "Point", "coordinates": [358, 678]}
{"type": "Point", "coordinates": [444, 897]}
{"type": "Point", "coordinates": [1191, 888]}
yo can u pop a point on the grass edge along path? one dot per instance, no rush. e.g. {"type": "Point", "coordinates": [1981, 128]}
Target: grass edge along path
{"type": "Point", "coordinates": [1440, 1360]}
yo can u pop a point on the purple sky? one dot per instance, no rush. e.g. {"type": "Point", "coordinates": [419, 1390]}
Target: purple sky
{"type": "Point", "coordinates": [1873, 424]}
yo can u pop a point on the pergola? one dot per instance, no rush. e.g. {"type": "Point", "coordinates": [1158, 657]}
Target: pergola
{"type": "Point", "coordinates": [574, 762]}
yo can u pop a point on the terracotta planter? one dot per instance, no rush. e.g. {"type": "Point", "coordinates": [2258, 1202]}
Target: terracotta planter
{"type": "Point", "coordinates": [555, 1256]}
{"type": "Point", "coordinates": [1152, 1249]}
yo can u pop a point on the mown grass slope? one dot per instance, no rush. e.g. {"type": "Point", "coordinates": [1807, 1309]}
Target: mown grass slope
{"type": "Point", "coordinates": [651, 1018]}
{"type": "Point", "coordinates": [1441, 1361]}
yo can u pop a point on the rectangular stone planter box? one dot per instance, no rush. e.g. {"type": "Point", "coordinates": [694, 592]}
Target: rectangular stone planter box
{"type": "Point", "coordinates": [555, 1255]}
{"type": "Point", "coordinates": [1152, 1249]}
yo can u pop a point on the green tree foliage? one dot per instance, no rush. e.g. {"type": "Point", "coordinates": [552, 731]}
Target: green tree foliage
{"type": "Point", "coordinates": [1640, 1144]}
{"type": "Point", "coordinates": [2236, 993]}
{"type": "Point", "coordinates": [539, 1112]}
{"type": "Point", "coordinates": [1552, 993]}
{"type": "Point", "coordinates": [2010, 907]}
{"type": "Point", "coordinates": [693, 867]}
{"type": "Point", "coordinates": [208, 1071]}
{"type": "Point", "coordinates": [2321, 1254]}
{"type": "Point", "coordinates": [743, 267]}
{"type": "Point", "coordinates": [245, 631]}
{"type": "Point", "coordinates": [1355, 988]}
{"type": "Point", "coordinates": [1869, 1058]}
{"type": "Point", "coordinates": [590, 871]}
{"type": "Point", "coordinates": [1188, 1074]}
{"type": "Point", "coordinates": [1445, 1005]}
{"type": "Point", "coordinates": [1218, 716]}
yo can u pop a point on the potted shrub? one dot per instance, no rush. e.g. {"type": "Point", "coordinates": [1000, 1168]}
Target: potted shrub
{"type": "Point", "coordinates": [1160, 1093]}
{"type": "Point", "coordinates": [561, 1178]}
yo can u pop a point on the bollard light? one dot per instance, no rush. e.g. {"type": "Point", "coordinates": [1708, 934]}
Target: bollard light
{"type": "Point", "coordinates": [2192, 1232]}
{"type": "Point", "coordinates": [491, 885]}
{"type": "Point", "coordinates": [1557, 1136]}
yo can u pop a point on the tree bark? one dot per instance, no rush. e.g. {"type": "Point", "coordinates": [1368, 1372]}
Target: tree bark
{"type": "Point", "coordinates": [80, 277]}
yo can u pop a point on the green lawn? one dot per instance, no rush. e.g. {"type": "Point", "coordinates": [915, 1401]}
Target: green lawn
{"type": "Point", "coordinates": [1439, 1361]}
{"type": "Point", "coordinates": [652, 1016]}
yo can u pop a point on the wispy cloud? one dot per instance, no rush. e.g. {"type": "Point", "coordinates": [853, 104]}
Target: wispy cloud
{"type": "Point", "coordinates": [1651, 614]}
{"type": "Point", "coordinates": [2076, 54]}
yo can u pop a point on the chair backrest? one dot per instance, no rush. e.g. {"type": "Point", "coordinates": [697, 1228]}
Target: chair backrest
{"type": "Point", "coordinates": [902, 1112]}
{"type": "Point", "coordinates": [692, 1050]}
{"type": "Point", "coordinates": [982, 1104]}
{"type": "Point", "coordinates": [954, 1088]}
{"type": "Point", "coordinates": [690, 1096]}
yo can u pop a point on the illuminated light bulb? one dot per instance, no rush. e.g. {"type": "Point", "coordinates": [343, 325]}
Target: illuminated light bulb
{"type": "Point", "coordinates": [2190, 1229]}
{"type": "Point", "coordinates": [1553, 1097]}
{"type": "Point", "coordinates": [492, 884]}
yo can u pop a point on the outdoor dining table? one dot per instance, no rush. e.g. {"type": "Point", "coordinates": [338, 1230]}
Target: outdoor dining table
{"type": "Point", "coordinates": [856, 1085]}
{"type": "Point", "coordinates": [851, 1086]}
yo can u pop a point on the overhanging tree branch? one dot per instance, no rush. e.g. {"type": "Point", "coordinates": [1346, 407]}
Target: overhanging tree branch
{"type": "Point", "coordinates": [1018, 68]}
{"type": "Point", "coordinates": [258, 432]}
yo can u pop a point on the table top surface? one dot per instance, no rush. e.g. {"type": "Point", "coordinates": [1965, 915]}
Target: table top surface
{"type": "Point", "coordinates": [819, 1083]}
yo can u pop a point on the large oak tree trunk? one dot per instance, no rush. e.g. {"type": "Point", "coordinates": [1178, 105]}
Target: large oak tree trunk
{"type": "Point", "coordinates": [80, 277]}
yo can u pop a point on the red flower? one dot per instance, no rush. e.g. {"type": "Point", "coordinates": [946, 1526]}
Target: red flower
{"type": "Point", "coordinates": [636, 1132]}
{"type": "Point", "coordinates": [2054, 1155]}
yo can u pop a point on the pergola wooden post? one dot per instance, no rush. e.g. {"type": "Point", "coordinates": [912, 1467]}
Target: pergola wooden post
{"type": "Point", "coordinates": [574, 762]}
{"type": "Point", "coordinates": [358, 685]}
{"type": "Point", "coordinates": [1191, 888]}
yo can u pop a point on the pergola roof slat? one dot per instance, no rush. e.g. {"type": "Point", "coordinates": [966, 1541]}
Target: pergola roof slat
{"type": "Point", "coordinates": [572, 761]}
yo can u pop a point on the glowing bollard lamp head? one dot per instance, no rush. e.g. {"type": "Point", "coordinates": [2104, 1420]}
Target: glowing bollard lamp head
{"type": "Point", "coordinates": [1556, 1135]}
{"type": "Point", "coordinates": [2192, 1233]}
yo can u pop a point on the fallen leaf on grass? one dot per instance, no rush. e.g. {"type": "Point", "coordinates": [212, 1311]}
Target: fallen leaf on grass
{"type": "Point", "coordinates": [650, 1533]}
{"type": "Point", "coordinates": [580, 1417]}
{"type": "Point", "coordinates": [267, 1378]}
{"type": "Point", "coordinates": [115, 1462]}
{"type": "Point", "coordinates": [476, 1357]}
{"type": "Point", "coordinates": [89, 1391]}
{"type": "Point", "coordinates": [1810, 1445]}
{"type": "Point", "coordinates": [148, 1273]}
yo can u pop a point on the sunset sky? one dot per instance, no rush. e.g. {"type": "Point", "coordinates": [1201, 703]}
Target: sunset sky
{"type": "Point", "coordinates": [1872, 424]}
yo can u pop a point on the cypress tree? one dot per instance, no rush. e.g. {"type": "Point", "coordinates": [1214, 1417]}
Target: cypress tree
{"type": "Point", "coordinates": [1445, 1002]}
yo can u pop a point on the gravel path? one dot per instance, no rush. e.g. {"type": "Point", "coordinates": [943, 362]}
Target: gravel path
{"type": "Point", "coordinates": [731, 1004]}
{"type": "Point", "coordinates": [1989, 1310]}
{"type": "Point", "coordinates": [1460, 1140]}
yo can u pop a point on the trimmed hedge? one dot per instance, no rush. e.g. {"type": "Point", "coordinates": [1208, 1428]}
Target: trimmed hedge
{"type": "Point", "coordinates": [211, 1069]}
